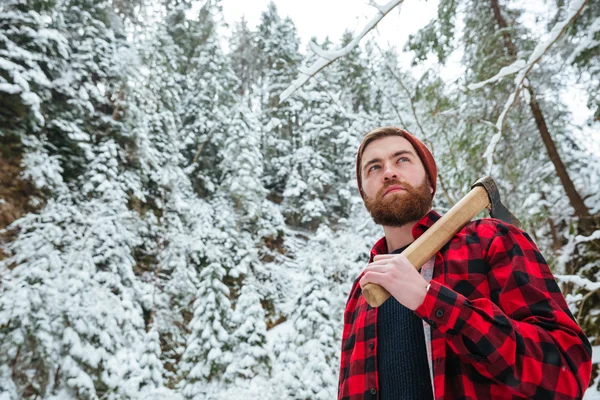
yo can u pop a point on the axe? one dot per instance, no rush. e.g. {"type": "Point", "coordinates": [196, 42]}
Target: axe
{"type": "Point", "coordinates": [484, 194]}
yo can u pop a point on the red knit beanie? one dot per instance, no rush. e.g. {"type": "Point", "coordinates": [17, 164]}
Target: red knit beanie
{"type": "Point", "coordinates": [422, 151]}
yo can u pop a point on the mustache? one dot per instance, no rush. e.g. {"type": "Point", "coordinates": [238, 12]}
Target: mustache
{"type": "Point", "coordinates": [387, 185]}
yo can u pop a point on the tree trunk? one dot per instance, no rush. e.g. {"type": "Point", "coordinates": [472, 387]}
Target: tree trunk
{"type": "Point", "coordinates": [581, 211]}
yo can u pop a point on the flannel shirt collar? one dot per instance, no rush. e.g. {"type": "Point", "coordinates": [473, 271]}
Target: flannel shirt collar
{"type": "Point", "coordinates": [420, 227]}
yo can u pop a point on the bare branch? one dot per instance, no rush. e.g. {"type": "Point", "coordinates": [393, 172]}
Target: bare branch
{"type": "Point", "coordinates": [327, 57]}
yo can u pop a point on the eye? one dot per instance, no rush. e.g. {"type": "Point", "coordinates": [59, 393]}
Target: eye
{"type": "Point", "coordinates": [372, 168]}
{"type": "Point", "coordinates": [403, 159]}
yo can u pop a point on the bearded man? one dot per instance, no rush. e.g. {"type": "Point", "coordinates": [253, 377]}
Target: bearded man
{"type": "Point", "coordinates": [482, 319]}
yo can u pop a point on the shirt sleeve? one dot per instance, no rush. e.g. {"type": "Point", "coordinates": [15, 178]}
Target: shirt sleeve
{"type": "Point", "coordinates": [347, 342]}
{"type": "Point", "coordinates": [526, 338]}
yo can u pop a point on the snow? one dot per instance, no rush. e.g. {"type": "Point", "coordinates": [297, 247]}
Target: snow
{"type": "Point", "coordinates": [504, 72]}
{"type": "Point", "coordinates": [579, 281]}
{"type": "Point", "coordinates": [588, 42]}
{"type": "Point", "coordinates": [596, 355]}
{"type": "Point", "coordinates": [10, 88]}
{"type": "Point", "coordinates": [582, 239]}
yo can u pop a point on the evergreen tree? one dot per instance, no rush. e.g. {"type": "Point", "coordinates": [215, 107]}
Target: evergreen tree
{"type": "Point", "coordinates": [208, 99]}
{"type": "Point", "coordinates": [277, 43]}
{"type": "Point", "coordinates": [354, 71]}
{"type": "Point", "coordinates": [309, 198]}
{"type": "Point", "coordinates": [245, 56]}
{"type": "Point", "coordinates": [242, 165]}
{"type": "Point", "coordinates": [34, 54]}
{"type": "Point", "coordinates": [249, 337]}
{"type": "Point", "coordinates": [83, 238]}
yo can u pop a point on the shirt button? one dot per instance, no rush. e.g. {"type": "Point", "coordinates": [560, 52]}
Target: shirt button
{"type": "Point", "coordinates": [371, 346]}
{"type": "Point", "coordinates": [373, 391]}
{"type": "Point", "coordinates": [439, 313]}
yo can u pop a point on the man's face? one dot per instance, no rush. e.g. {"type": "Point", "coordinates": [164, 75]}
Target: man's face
{"type": "Point", "coordinates": [394, 182]}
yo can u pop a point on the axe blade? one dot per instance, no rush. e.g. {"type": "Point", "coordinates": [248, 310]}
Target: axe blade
{"type": "Point", "coordinates": [497, 209]}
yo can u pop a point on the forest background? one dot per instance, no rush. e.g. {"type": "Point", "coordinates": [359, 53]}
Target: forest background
{"type": "Point", "coordinates": [171, 229]}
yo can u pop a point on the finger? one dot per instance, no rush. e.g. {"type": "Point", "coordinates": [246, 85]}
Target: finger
{"type": "Point", "coordinates": [398, 258]}
{"type": "Point", "coordinates": [380, 262]}
{"type": "Point", "coordinates": [373, 277]}
{"type": "Point", "coordinates": [384, 256]}
{"type": "Point", "coordinates": [377, 268]}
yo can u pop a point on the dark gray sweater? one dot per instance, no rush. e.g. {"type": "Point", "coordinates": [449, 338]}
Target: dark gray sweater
{"type": "Point", "coordinates": [402, 364]}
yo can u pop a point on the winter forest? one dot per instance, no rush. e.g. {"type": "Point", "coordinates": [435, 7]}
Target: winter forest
{"type": "Point", "coordinates": [172, 228]}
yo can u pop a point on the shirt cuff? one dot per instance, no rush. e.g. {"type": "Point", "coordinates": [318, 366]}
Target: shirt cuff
{"type": "Point", "coordinates": [441, 307]}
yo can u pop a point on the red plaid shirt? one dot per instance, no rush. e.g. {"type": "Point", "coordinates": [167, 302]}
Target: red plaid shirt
{"type": "Point", "coordinates": [500, 327]}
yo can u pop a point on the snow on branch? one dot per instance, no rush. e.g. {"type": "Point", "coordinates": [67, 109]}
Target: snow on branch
{"type": "Point", "coordinates": [579, 281]}
{"type": "Point", "coordinates": [588, 42]}
{"type": "Point", "coordinates": [326, 57]}
{"type": "Point", "coordinates": [522, 68]}
{"type": "Point", "coordinates": [596, 355]}
{"type": "Point", "coordinates": [513, 68]}
{"type": "Point", "coordinates": [582, 239]}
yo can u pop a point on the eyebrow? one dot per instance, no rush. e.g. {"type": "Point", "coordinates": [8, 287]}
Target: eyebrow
{"type": "Point", "coordinates": [396, 154]}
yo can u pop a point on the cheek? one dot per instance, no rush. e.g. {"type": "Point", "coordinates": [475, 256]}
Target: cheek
{"type": "Point", "coordinates": [417, 176]}
{"type": "Point", "coordinates": [369, 188]}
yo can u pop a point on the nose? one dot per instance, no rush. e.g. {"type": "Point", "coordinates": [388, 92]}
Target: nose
{"type": "Point", "coordinates": [389, 173]}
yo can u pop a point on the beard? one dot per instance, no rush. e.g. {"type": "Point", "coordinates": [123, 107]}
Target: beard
{"type": "Point", "coordinates": [399, 208]}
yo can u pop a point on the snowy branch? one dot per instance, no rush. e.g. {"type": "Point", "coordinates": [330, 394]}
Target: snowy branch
{"type": "Point", "coordinates": [327, 57]}
{"type": "Point", "coordinates": [522, 69]}
{"type": "Point", "coordinates": [579, 281]}
{"type": "Point", "coordinates": [588, 42]}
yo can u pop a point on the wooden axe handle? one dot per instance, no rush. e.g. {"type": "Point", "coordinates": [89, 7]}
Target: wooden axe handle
{"type": "Point", "coordinates": [435, 238]}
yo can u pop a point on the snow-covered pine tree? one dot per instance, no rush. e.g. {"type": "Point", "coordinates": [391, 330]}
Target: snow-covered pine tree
{"type": "Point", "coordinates": [316, 321]}
{"type": "Point", "coordinates": [242, 170]}
{"type": "Point", "coordinates": [33, 54]}
{"type": "Point", "coordinates": [244, 56]}
{"type": "Point", "coordinates": [309, 197]}
{"type": "Point", "coordinates": [354, 71]}
{"type": "Point", "coordinates": [307, 351]}
{"type": "Point", "coordinates": [277, 43]}
{"type": "Point", "coordinates": [208, 99]}
{"type": "Point", "coordinates": [83, 238]}
{"type": "Point", "coordinates": [251, 356]}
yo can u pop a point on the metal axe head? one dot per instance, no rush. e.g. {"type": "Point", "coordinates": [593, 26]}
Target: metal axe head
{"type": "Point", "coordinates": [497, 209]}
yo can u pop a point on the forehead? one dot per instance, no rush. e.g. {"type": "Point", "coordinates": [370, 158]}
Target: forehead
{"type": "Point", "coordinates": [386, 147]}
